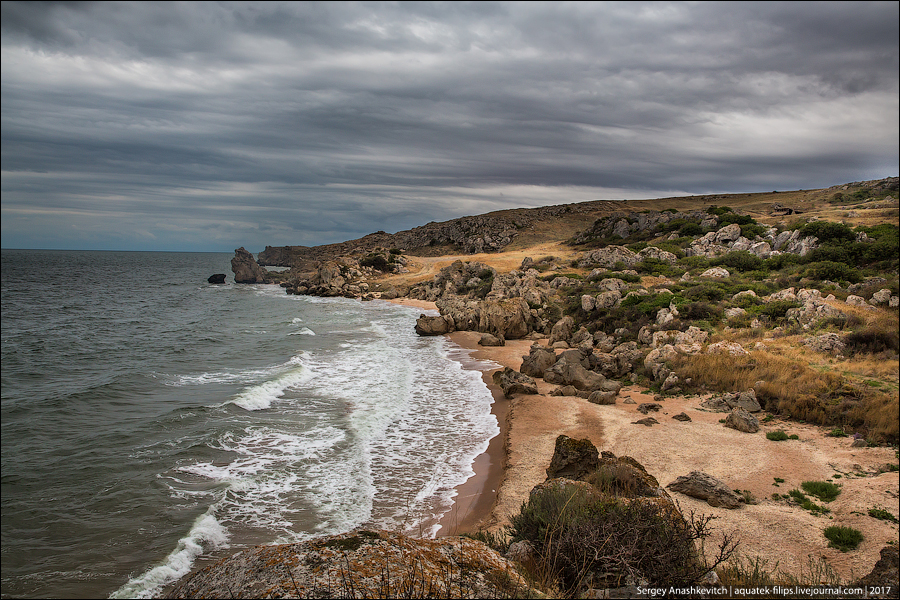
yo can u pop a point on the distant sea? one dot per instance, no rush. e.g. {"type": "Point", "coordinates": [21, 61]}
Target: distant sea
{"type": "Point", "coordinates": [152, 421]}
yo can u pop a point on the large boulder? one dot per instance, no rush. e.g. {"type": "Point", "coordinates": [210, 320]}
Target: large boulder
{"type": "Point", "coordinates": [706, 487]}
{"type": "Point", "coordinates": [360, 564]}
{"type": "Point", "coordinates": [426, 325]}
{"type": "Point", "coordinates": [513, 382]}
{"type": "Point", "coordinates": [539, 359]}
{"type": "Point", "coordinates": [573, 459]}
{"type": "Point", "coordinates": [565, 372]}
{"type": "Point", "coordinates": [562, 330]}
{"type": "Point", "coordinates": [246, 269]}
{"type": "Point", "coordinates": [742, 420]}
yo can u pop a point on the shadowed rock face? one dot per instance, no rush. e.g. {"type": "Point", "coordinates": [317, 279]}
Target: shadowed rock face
{"type": "Point", "coordinates": [360, 564]}
{"type": "Point", "coordinates": [245, 268]}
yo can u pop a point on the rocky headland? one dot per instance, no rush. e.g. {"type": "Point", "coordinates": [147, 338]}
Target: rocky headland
{"type": "Point", "coordinates": [743, 348]}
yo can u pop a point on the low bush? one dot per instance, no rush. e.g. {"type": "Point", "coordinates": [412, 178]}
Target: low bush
{"type": "Point", "coordinates": [832, 271]}
{"type": "Point", "coordinates": [582, 536]}
{"type": "Point", "coordinates": [822, 490]}
{"type": "Point", "coordinates": [741, 260]}
{"type": "Point", "coordinates": [828, 231]}
{"type": "Point", "coordinates": [871, 342]}
{"type": "Point", "coordinates": [880, 513]}
{"type": "Point", "coordinates": [843, 538]}
{"type": "Point", "coordinates": [807, 504]}
{"type": "Point", "coordinates": [776, 436]}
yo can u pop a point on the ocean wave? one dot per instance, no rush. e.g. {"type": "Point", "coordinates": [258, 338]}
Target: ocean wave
{"type": "Point", "coordinates": [304, 331]}
{"type": "Point", "coordinates": [261, 396]}
{"type": "Point", "coordinates": [205, 534]}
{"type": "Point", "coordinates": [240, 376]}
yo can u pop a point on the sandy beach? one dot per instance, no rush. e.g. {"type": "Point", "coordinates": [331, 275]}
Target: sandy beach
{"type": "Point", "coordinates": [780, 533]}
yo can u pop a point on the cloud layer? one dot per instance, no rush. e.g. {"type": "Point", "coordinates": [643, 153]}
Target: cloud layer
{"type": "Point", "coordinates": [205, 126]}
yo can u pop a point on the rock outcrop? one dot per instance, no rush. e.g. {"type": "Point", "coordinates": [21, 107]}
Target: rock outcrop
{"type": "Point", "coordinates": [512, 382]}
{"type": "Point", "coordinates": [361, 564]}
{"type": "Point", "coordinates": [245, 268]}
{"type": "Point", "coordinates": [573, 459]}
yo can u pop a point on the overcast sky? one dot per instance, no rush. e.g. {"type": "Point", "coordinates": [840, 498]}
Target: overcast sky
{"type": "Point", "coordinates": [208, 126]}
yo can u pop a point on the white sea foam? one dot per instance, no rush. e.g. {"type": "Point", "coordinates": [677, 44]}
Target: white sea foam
{"type": "Point", "coordinates": [205, 534]}
{"type": "Point", "coordinates": [261, 396]}
{"type": "Point", "coordinates": [239, 376]}
{"type": "Point", "coordinates": [304, 331]}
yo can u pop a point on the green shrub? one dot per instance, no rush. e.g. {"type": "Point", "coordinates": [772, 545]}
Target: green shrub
{"type": "Point", "coordinates": [843, 538]}
{"type": "Point", "coordinates": [880, 513]}
{"type": "Point", "coordinates": [376, 261]}
{"type": "Point", "coordinates": [690, 230]}
{"type": "Point", "coordinates": [832, 271]}
{"type": "Point", "coordinates": [742, 260]}
{"type": "Point", "coordinates": [807, 504]}
{"type": "Point", "coordinates": [821, 489]}
{"type": "Point", "coordinates": [776, 436]}
{"type": "Point", "coordinates": [776, 309]}
{"type": "Point", "coordinates": [700, 311]}
{"type": "Point", "coordinates": [779, 261]}
{"type": "Point", "coordinates": [709, 291]}
{"type": "Point", "coordinates": [718, 210]}
{"type": "Point", "coordinates": [580, 536]}
{"type": "Point", "coordinates": [836, 432]}
{"type": "Point", "coordinates": [827, 231]}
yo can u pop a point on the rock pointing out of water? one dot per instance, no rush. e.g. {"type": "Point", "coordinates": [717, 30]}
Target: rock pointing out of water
{"type": "Point", "coordinates": [245, 268]}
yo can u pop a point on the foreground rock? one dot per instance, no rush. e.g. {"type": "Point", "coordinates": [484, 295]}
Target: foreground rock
{"type": "Point", "coordinates": [361, 564]}
{"type": "Point", "coordinates": [706, 487]}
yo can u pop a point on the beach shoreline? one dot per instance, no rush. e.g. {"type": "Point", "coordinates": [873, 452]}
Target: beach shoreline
{"type": "Point", "coordinates": [771, 528]}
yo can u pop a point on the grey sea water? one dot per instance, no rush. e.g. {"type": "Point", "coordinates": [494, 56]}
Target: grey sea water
{"type": "Point", "coordinates": [151, 421]}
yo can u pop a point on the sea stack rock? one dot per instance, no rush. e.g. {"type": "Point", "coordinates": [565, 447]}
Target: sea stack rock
{"type": "Point", "coordinates": [245, 268]}
{"type": "Point", "coordinates": [217, 278]}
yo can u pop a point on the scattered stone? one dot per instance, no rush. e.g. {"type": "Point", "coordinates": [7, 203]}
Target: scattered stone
{"type": "Point", "coordinates": [646, 407]}
{"type": "Point", "coordinates": [628, 400]}
{"type": "Point", "coordinates": [730, 348]}
{"type": "Point", "coordinates": [681, 417]}
{"type": "Point", "coordinates": [860, 443]}
{"type": "Point", "coordinates": [491, 340]}
{"type": "Point", "coordinates": [513, 382]}
{"type": "Point", "coordinates": [602, 398]}
{"type": "Point", "coordinates": [648, 421]}
{"type": "Point", "coordinates": [706, 487]}
{"type": "Point", "coordinates": [742, 420]}
{"type": "Point", "coordinates": [565, 390]}
{"type": "Point", "coordinates": [716, 273]}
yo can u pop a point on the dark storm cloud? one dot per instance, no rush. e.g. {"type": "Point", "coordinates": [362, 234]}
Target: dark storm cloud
{"type": "Point", "coordinates": [212, 125]}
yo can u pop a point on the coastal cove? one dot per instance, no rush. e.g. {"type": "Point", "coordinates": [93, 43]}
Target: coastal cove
{"type": "Point", "coordinates": [182, 421]}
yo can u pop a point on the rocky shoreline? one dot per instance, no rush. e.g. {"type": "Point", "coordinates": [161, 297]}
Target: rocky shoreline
{"type": "Point", "coordinates": [619, 341]}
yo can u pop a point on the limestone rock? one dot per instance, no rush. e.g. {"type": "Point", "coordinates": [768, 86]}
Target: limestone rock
{"type": "Point", "coordinates": [681, 417]}
{"type": "Point", "coordinates": [886, 572]}
{"type": "Point", "coordinates": [539, 359]}
{"type": "Point", "coordinates": [513, 382]}
{"type": "Point", "coordinates": [716, 273]}
{"type": "Point", "coordinates": [565, 390]}
{"type": "Point", "coordinates": [646, 407]}
{"type": "Point", "coordinates": [491, 340]}
{"type": "Point", "coordinates": [246, 269]}
{"type": "Point", "coordinates": [706, 487]}
{"type": "Point", "coordinates": [648, 421]}
{"type": "Point", "coordinates": [602, 397]}
{"type": "Point", "coordinates": [426, 325]}
{"type": "Point", "coordinates": [359, 564]}
{"type": "Point", "coordinates": [729, 348]}
{"type": "Point", "coordinates": [573, 459]}
{"type": "Point", "coordinates": [572, 373]}
{"type": "Point", "coordinates": [742, 420]}
{"type": "Point", "coordinates": [562, 330]}
{"type": "Point", "coordinates": [217, 278]}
